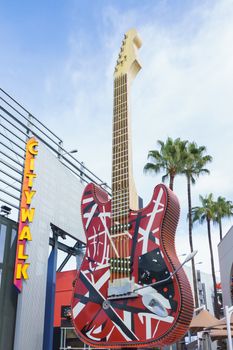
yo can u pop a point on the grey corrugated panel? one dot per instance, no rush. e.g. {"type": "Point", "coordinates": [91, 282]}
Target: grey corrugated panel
{"type": "Point", "coordinates": [9, 157]}
{"type": "Point", "coordinates": [12, 142]}
{"type": "Point", "coordinates": [27, 127]}
{"type": "Point", "coordinates": [9, 194]}
{"type": "Point", "coordinates": [9, 203]}
{"type": "Point", "coordinates": [10, 166]}
{"type": "Point", "coordinates": [10, 131]}
{"type": "Point", "coordinates": [11, 176]}
{"type": "Point", "coordinates": [15, 127]}
{"type": "Point", "coordinates": [30, 114]}
{"type": "Point", "coordinates": [11, 185]}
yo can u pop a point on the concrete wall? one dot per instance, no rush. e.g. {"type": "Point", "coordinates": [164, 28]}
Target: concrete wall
{"type": "Point", "coordinates": [56, 201]}
{"type": "Point", "coordinates": [225, 252]}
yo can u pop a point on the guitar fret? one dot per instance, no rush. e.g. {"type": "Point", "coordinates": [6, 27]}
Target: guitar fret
{"type": "Point", "coordinates": [121, 97]}
{"type": "Point", "coordinates": [119, 185]}
{"type": "Point", "coordinates": [120, 196]}
{"type": "Point", "coordinates": [121, 205]}
{"type": "Point", "coordinates": [119, 153]}
{"type": "Point", "coordinates": [124, 206]}
{"type": "Point", "coordinates": [120, 143]}
{"type": "Point", "coordinates": [121, 176]}
{"type": "Point", "coordinates": [120, 163]}
{"type": "Point", "coordinates": [122, 212]}
{"type": "Point", "coordinates": [120, 135]}
{"type": "Point", "coordinates": [123, 157]}
{"type": "Point", "coordinates": [124, 160]}
{"type": "Point", "coordinates": [118, 157]}
{"type": "Point", "coordinates": [122, 166]}
{"type": "Point", "coordinates": [116, 105]}
{"type": "Point", "coordinates": [120, 111]}
{"type": "Point", "coordinates": [118, 87]}
{"type": "Point", "coordinates": [118, 201]}
{"type": "Point", "coordinates": [123, 129]}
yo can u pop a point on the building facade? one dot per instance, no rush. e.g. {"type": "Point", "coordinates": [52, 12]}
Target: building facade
{"type": "Point", "coordinates": [225, 252]}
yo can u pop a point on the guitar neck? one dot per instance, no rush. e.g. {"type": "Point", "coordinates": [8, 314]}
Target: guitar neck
{"type": "Point", "coordinates": [124, 196]}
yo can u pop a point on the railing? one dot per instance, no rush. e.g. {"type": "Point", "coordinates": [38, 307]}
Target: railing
{"type": "Point", "coordinates": [17, 125]}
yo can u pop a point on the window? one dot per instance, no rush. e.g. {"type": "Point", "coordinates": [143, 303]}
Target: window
{"type": "Point", "coordinates": [13, 235]}
{"type": "Point", "coordinates": [2, 241]}
{"type": "Point", "coordinates": [231, 284]}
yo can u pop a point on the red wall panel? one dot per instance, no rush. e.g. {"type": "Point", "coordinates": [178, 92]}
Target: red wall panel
{"type": "Point", "coordinates": [64, 288]}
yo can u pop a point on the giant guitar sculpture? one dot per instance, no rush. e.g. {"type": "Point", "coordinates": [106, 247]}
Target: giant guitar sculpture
{"type": "Point", "coordinates": [128, 249]}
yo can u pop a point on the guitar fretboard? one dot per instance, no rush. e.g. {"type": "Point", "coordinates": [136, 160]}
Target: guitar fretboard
{"type": "Point", "coordinates": [120, 155]}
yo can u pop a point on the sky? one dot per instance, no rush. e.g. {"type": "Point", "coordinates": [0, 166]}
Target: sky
{"type": "Point", "coordinates": [58, 57]}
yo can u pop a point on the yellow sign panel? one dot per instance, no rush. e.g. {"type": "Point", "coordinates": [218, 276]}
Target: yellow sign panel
{"type": "Point", "coordinates": [26, 214]}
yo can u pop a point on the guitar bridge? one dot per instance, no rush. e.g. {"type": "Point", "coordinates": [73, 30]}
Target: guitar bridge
{"type": "Point", "coordinates": [121, 288]}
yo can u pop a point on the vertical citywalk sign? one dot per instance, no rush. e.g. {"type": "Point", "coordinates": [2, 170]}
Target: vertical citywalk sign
{"type": "Point", "coordinates": [26, 215]}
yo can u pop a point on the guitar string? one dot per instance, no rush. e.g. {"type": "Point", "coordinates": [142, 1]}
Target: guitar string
{"type": "Point", "coordinates": [113, 255]}
{"type": "Point", "coordinates": [124, 163]}
{"type": "Point", "coordinates": [123, 166]}
{"type": "Point", "coordinates": [122, 145]}
{"type": "Point", "coordinates": [120, 181]}
{"type": "Point", "coordinates": [116, 208]}
{"type": "Point", "coordinates": [119, 185]}
{"type": "Point", "coordinates": [117, 171]}
{"type": "Point", "coordinates": [127, 156]}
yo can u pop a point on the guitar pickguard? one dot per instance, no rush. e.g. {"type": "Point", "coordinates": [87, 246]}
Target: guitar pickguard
{"type": "Point", "coordinates": [158, 315]}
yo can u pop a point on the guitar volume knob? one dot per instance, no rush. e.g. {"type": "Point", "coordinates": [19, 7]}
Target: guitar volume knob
{"type": "Point", "coordinates": [145, 275]}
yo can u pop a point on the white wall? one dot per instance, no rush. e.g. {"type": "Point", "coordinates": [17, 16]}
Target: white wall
{"type": "Point", "coordinates": [57, 200]}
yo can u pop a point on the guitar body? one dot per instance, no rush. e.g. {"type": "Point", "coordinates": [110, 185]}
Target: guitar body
{"type": "Point", "coordinates": [132, 322]}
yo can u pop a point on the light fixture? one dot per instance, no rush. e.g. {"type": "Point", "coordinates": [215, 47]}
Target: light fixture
{"type": "Point", "coordinates": [5, 210]}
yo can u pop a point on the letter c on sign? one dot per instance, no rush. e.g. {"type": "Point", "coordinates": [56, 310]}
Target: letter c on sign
{"type": "Point", "coordinates": [31, 147]}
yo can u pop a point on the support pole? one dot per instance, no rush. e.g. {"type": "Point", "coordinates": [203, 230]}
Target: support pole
{"type": "Point", "coordinates": [228, 312]}
{"type": "Point", "coordinates": [50, 298]}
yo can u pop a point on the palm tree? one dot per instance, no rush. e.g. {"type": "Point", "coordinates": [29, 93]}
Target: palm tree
{"type": "Point", "coordinates": [206, 212]}
{"type": "Point", "coordinates": [223, 208]}
{"type": "Point", "coordinates": [194, 166]}
{"type": "Point", "coordinates": [169, 158]}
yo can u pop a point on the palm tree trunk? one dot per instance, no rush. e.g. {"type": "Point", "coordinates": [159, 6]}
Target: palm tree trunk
{"type": "Point", "coordinates": [171, 181]}
{"type": "Point", "coordinates": [220, 229]}
{"type": "Point", "coordinates": [191, 241]}
{"type": "Point", "coordinates": [216, 308]}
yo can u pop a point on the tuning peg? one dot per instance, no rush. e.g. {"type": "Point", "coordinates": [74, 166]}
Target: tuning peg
{"type": "Point", "coordinates": [126, 36]}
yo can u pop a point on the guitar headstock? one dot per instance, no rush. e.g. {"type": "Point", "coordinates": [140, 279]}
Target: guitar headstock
{"type": "Point", "coordinates": [127, 60]}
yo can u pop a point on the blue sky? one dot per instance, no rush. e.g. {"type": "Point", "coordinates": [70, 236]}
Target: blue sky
{"type": "Point", "coordinates": [57, 58]}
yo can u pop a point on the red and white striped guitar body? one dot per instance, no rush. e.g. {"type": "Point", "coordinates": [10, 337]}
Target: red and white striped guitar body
{"type": "Point", "coordinates": [137, 321]}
